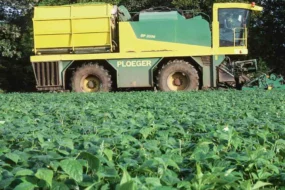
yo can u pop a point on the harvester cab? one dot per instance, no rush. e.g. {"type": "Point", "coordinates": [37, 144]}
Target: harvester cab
{"type": "Point", "coordinates": [230, 37]}
{"type": "Point", "coordinates": [230, 27]}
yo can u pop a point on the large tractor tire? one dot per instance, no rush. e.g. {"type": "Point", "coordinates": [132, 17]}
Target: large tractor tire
{"type": "Point", "coordinates": [91, 78]}
{"type": "Point", "coordinates": [178, 75]}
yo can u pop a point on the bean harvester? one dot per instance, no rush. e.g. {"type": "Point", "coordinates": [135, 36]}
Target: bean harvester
{"type": "Point", "coordinates": [100, 47]}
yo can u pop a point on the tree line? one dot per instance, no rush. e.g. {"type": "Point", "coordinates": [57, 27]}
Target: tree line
{"type": "Point", "coordinates": [266, 34]}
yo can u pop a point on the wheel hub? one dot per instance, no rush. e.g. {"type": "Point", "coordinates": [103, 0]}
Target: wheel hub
{"type": "Point", "coordinates": [90, 84]}
{"type": "Point", "coordinates": [178, 81]}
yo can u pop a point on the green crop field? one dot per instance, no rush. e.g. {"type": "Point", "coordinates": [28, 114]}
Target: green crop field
{"type": "Point", "coordinates": [143, 140]}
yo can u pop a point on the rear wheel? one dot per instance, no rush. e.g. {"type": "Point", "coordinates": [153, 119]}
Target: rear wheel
{"type": "Point", "coordinates": [178, 75]}
{"type": "Point", "coordinates": [91, 78]}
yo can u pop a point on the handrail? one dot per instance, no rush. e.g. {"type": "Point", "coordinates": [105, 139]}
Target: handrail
{"type": "Point", "coordinates": [244, 37]}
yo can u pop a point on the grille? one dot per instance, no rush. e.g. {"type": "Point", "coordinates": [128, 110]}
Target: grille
{"type": "Point", "coordinates": [47, 75]}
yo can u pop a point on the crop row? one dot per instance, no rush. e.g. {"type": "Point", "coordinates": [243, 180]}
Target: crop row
{"type": "Point", "coordinates": [143, 140]}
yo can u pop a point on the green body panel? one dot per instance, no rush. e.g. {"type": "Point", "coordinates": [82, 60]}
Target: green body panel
{"type": "Point", "coordinates": [124, 13]}
{"type": "Point", "coordinates": [134, 72]}
{"type": "Point", "coordinates": [138, 72]}
{"type": "Point", "coordinates": [63, 66]}
{"type": "Point", "coordinates": [194, 31]}
{"type": "Point", "coordinates": [206, 70]}
{"type": "Point", "coordinates": [160, 16]}
{"type": "Point", "coordinates": [216, 61]}
{"type": "Point", "coordinates": [209, 71]}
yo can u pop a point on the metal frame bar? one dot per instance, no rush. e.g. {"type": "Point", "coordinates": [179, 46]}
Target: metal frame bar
{"type": "Point", "coordinates": [244, 38]}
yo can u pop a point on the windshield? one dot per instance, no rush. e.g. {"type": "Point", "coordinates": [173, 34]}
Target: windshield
{"type": "Point", "coordinates": [233, 23]}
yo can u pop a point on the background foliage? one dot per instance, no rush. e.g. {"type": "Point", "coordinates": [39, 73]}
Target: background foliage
{"type": "Point", "coordinates": [266, 42]}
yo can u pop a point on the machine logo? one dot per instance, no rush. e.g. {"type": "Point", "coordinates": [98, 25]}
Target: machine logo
{"type": "Point", "coordinates": [135, 63]}
{"type": "Point", "coordinates": [148, 36]}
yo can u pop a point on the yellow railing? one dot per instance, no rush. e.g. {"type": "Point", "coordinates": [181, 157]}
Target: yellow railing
{"type": "Point", "coordinates": [243, 39]}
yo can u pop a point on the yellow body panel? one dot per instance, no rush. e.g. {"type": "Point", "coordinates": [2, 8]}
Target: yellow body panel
{"type": "Point", "coordinates": [237, 5]}
{"type": "Point", "coordinates": [99, 56]}
{"type": "Point", "coordinates": [73, 26]}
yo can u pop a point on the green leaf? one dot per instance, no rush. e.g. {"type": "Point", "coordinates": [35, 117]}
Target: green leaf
{"type": "Point", "coordinates": [59, 186]}
{"type": "Point", "coordinates": [40, 138]}
{"type": "Point", "coordinates": [184, 184]}
{"type": "Point", "coordinates": [199, 171]}
{"type": "Point", "coordinates": [91, 186]}
{"type": "Point", "coordinates": [54, 165]}
{"type": "Point", "coordinates": [24, 172]}
{"type": "Point", "coordinates": [73, 168]}
{"type": "Point", "coordinates": [105, 187]}
{"type": "Point", "coordinates": [66, 143]}
{"type": "Point", "coordinates": [229, 171]}
{"type": "Point", "coordinates": [128, 186]}
{"type": "Point", "coordinates": [170, 178]}
{"type": "Point", "coordinates": [165, 188]}
{"type": "Point", "coordinates": [63, 177]}
{"type": "Point", "coordinates": [170, 162]}
{"type": "Point", "coordinates": [260, 184]}
{"type": "Point", "coordinates": [153, 181]}
{"type": "Point", "coordinates": [108, 172]}
{"type": "Point", "coordinates": [4, 150]}
{"type": "Point", "coordinates": [245, 185]}
{"type": "Point", "coordinates": [93, 161]}
{"type": "Point", "coordinates": [146, 132]}
{"type": "Point", "coordinates": [29, 179]}
{"type": "Point", "coordinates": [109, 154]}
{"type": "Point", "coordinates": [45, 175]}
{"type": "Point", "coordinates": [273, 168]}
{"type": "Point", "coordinates": [126, 177]}
{"type": "Point", "coordinates": [25, 186]}
{"type": "Point", "coordinates": [6, 182]}
{"type": "Point", "coordinates": [14, 157]}
{"type": "Point", "coordinates": [126, 182]}
{"type": "Point", "coordinates": [64, 152]}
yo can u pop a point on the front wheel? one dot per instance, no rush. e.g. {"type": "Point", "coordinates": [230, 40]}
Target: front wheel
{"type": "Point", "coordinates": [91, 78]}
{"type": "Point", "coordinates": [178, 75]}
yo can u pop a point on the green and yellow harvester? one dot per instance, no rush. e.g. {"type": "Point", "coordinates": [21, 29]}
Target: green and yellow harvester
{"type": "Point", "coordinates": [101, 47]}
